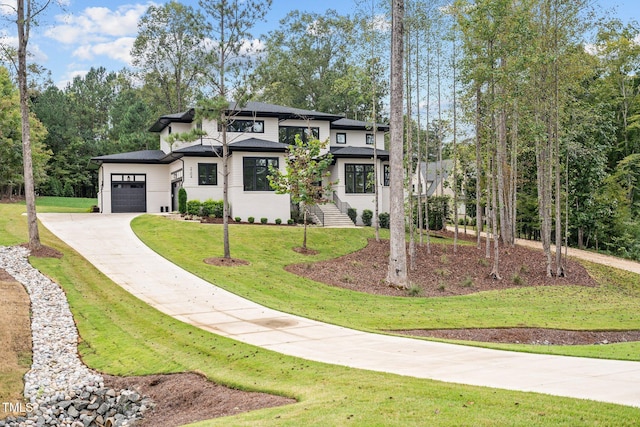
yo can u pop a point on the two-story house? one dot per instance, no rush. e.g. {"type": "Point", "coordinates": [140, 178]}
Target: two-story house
{"type": "Point", "coordinates": [258, 136]}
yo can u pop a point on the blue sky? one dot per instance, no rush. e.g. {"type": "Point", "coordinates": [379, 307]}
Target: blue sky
{"type": "Point", "coordinates": [92, 33]}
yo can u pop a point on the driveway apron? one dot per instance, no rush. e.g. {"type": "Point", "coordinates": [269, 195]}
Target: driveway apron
{"type": "Point", "coordinates": [108, 242]}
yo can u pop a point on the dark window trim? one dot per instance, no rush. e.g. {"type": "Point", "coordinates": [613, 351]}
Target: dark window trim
{"type": "Point", "coordinates": [344, 139]}
{"type": "Point", "coordinates": [386, 175]}
{"type": "Point", "coordinates": [255, 177]}
{"type": "Point", "coordinates": [243, 126]}
{"type": "Point", "coordinates": [210, 173]}
{"type": "Point", "coordinates": [357, 178]}
{"type": "Point", "coordinates": [286, 134]}
{"type": "Point", "coordinates": [369, 139]}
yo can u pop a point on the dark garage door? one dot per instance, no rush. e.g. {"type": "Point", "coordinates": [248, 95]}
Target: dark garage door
{"type": "Point", "coordinates": [128, 197]}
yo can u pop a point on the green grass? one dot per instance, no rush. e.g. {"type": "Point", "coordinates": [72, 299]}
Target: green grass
{"type": "Point", "coordinates": [612, 306]}
{"type": "Point", "coordinates": [122, 335]}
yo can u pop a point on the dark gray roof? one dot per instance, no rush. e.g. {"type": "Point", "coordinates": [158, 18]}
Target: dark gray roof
{"type": "Point", "coordinates": [250, 109]}
{"type": "Point", "coordinates": [166, 120]}
{"type": "Point", "coordinates": [255, 144]}
{"type": "Point", "coordinates": [202, 150]}
{"type": "Point", "coordinates": [145, 156]}
{"type": "Point", "coordinates": [358, 152]}
{"type": "Point", "coordinates": [350, 124]}
{"type": "Point", "coordinates": [271, 110]}
{"type": "Point", "coordinates": [251, 144]}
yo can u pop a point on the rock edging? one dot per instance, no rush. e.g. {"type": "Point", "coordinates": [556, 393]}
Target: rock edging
{"type": "Point", "coordinates": [60, 389]}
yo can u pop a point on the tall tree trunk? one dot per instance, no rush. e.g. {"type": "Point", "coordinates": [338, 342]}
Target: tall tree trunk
{"type": "Point", "coordinates": [419, 154]}
{"type": "Point", "coordinates": [455, 149]}
{"type": "Point", "coordinates": [409, 126]}
{"type": "Point", "coordinates": [478, 170]}
{"type": "Point", "coordinates": [24, 23]}
{"type": "Point", "coordinates": [495, 269]}
{"type": "Point", "coordinates": [397, 271]}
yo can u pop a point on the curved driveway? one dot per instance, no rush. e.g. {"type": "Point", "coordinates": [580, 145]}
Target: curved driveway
{"type": "Point", "coordinates": [108, 242]}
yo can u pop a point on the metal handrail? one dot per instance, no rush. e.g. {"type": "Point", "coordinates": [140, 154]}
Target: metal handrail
{"type": "Point", "coordinates": [315, 210]}
{"type": "Point", "coordinates": [342, 206]}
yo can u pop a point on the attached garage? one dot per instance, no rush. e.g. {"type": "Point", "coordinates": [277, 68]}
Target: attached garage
{"type": "Point", "coordinates": [128, 193]}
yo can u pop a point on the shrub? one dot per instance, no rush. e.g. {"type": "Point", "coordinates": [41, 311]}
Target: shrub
{"type": "Point", "coordinates": [182, 200]}
{"type": "Point", "coordinates": [467, 282]}
{"type": "Point", "coordinates": [194, 207]}
{"type": "Point", "coordinates": [291, 221]}
{"type": "Point", "coordinates": [414, 291]}
{"type": "Point", "coordinates": [518, 280]}
{"type": "Point", "coordinates": [263, 220]}
{"type": "Point", "coordinates": [207, 208]}
{"type": "Point", "coordinates": [353, 214]}
{"type": "Point", "coordinates": [218, 209]}
{"type": "Point", "coordinates": [237, 219]}
{"type": "Point", "coordinates": [367, 215]}
{"type": "Point", "coordinates": [278, 221]}
{"type": "Point", "coordinates": [383, 218]}
{"type": "Point", "coordinates": [251, 220]}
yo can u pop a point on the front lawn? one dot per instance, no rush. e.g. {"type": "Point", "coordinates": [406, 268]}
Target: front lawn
{"type": "Point", "coordinates": [610, 306]}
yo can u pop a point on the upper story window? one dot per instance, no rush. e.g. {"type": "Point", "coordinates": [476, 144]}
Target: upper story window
{"type": "Point", "coordinates": [341, 138]}
{"type": "Point", "coordinates": [256, 172]}
{"type": "Point", "coordinates": [244, 126]}
{"type": "Point", "coordinates": [359, 178]}
{"type": "Point", "coordinates": [369, 139]}
{"type": "Point", "coordinates": [207, 174]}
{"type": "Point", "coordinates": [288, 134]}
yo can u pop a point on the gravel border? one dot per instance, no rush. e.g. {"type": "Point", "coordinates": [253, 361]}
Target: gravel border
{"type": "Point", "coordinates": [61, 390]}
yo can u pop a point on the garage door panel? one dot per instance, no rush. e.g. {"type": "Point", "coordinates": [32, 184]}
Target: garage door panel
{"type": "Point", "coordinates": [128, 197]}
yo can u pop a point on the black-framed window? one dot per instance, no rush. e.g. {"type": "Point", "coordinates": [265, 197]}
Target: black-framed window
{"type": "Point", "coordinates": [369, 139]}
{"type": "Point", "coordinates": [207, 174]}
{"type": "Point", "coordinates": [386, 176]}
{"type": "Point", "coordinates": [287, 134]}
{"type": "Point", "coordinates": [256, 172]}
{"type": "Point", "coordinates": [341, 138]}
{"type": "Point", "coordinates": [244, 126]}
{"type": "Point", "coordinates": [358, 178]}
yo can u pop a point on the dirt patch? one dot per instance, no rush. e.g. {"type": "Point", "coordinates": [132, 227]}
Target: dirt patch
{"type": "Point", "coordinates": [536, 336]}
{"type": "Point", "coordinates": [186, 398]}
{"type": "Point", "coordinates": [441, 272]}
{"type": "Point", "coordinates": [305, 251]}
{"type": "Point", "coordinates": [15, 342]}
{"type": "Point", "coordinates": [225, 262]}
{"type": "Point", "coordinates": [43, 252]}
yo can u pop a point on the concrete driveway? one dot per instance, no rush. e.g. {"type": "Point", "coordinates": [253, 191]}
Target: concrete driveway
{"type": "Point", "coordinates": [108, 242]}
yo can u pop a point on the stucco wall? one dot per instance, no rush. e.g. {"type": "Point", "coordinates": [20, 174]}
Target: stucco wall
{"type": "Point", "coordinates": [158, 184]}
{"type": "Point", "coordinates": [258, 204]}
{"type": "Point", "coordinates": [356, 200]}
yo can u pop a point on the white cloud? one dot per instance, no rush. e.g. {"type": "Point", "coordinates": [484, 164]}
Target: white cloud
{"type": "Point", "coordinates": [118, 49]}
{"type": "Point", "coordinates": [97, 24]}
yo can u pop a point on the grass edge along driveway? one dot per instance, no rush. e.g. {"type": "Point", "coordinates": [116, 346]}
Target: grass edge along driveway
{"type": "Point", "coordinates": [122, 335]}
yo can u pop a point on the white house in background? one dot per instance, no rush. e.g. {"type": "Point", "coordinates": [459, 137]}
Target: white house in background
{"type": "Point", "coordinates": [433, 178]}
{"type": "Point", "coordinates": [436, 179]}
{"type": "Point", "coordinates": [258, 136]}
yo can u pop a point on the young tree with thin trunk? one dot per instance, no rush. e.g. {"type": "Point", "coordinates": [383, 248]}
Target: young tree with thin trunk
{"type": "Point", "coordinates": [227, 63]}
{"type": "Point", "coordinates": [397, 270]}
{"type": "Point", "coordinates": [306, 168]}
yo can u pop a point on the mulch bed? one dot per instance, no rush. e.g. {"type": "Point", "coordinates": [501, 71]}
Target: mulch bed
{"type": "Point", "coordinates": [189, 397]}
{"type": "Point", "coordinates": [442, 272]}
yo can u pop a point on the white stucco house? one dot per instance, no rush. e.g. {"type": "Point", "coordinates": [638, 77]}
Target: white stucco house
{"type": "Point", "coordinates": [258, 136]}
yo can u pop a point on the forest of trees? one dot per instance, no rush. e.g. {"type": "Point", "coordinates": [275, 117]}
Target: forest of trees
{"type": "Point", "coordinates": [537, 101]}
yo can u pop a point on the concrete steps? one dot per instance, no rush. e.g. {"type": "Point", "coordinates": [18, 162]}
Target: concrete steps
{"type": "Point", "coordinates": [333, 217]}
